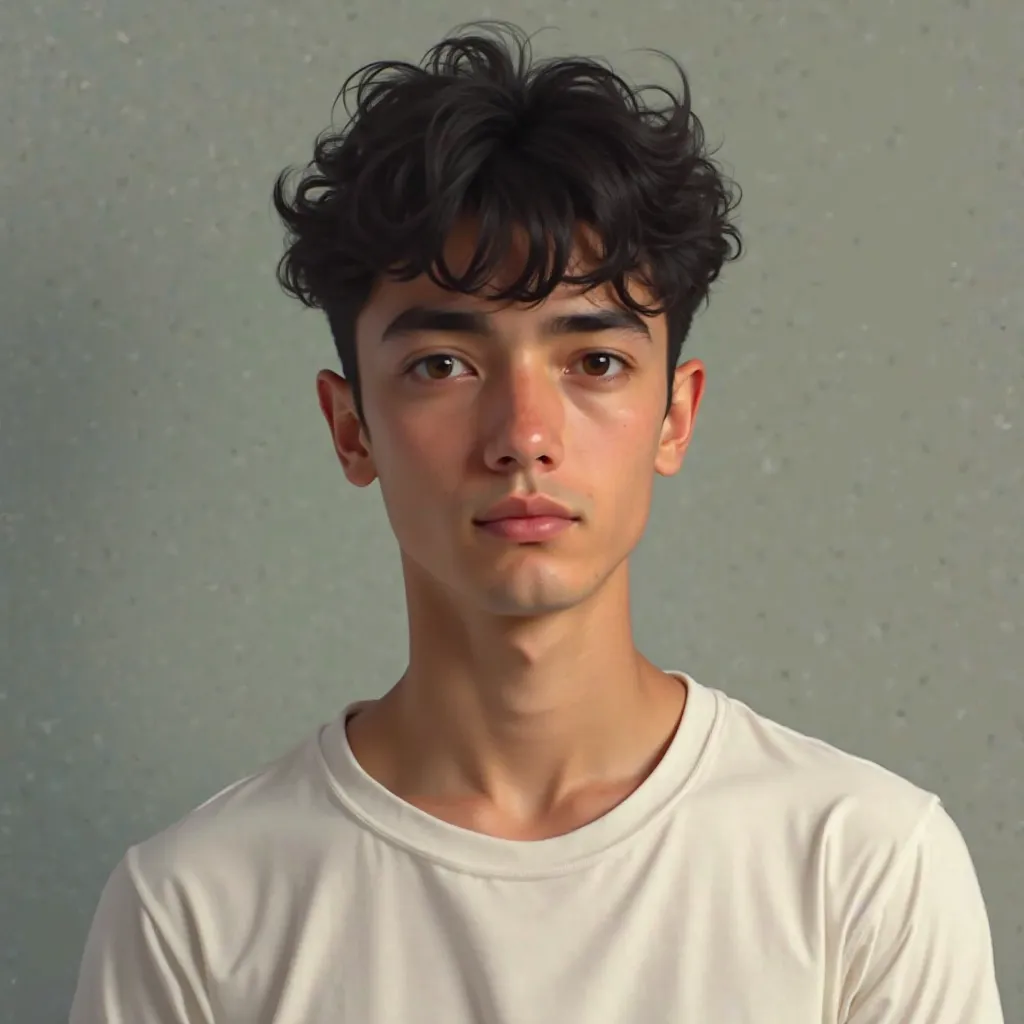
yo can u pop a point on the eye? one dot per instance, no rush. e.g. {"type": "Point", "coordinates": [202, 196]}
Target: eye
{"type": "Point", "coordinates": [602, 365]}
{"type": "Point", "coordinates": [435, 367]}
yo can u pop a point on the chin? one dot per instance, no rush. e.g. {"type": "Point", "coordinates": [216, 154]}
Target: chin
{"type": "Point", "coordinates": [519, 606]}
{"type": "Point", "coordinates": [531, 591]}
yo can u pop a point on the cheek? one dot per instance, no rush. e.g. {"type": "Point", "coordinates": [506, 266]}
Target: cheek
{"type": "Point", "coordinates": [418, 465]}
{"type": "Point", "coordinates": [620, 444]}
{"type": "Point", "coordinates": [424, 446]}
{"type": "Point", "coordinates": [615, 464]}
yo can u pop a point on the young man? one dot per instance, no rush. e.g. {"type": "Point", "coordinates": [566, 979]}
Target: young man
{"type": "Point", "coordinates": [535, 824]}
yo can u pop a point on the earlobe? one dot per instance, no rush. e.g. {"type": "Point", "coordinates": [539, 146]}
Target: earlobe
{"type": "Point", "coordinates": [334, 394]}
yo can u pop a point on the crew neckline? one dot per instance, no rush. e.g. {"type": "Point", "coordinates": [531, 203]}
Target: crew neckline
{"type": "Point", "coordinates": [400, 823]}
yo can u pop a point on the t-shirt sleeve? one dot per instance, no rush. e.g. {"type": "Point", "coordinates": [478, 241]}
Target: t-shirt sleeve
{"type": "Point", "coordinates": [133, 970]}
{"type": "Point", "coordinates": [925, 955]}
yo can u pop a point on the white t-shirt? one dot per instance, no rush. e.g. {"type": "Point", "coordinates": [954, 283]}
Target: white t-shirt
{"type": "Point", "coordinates": [756, 877]}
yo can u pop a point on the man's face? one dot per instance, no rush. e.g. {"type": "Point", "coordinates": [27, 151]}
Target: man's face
{"type": "Point", "coordinates": [469, 403]}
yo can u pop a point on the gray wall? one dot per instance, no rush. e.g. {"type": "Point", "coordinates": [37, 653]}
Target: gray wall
{"type": "Point", "coordinates": [187, 584]}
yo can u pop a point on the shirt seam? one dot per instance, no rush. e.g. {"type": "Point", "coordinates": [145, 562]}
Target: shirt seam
{"type": "Point", "coordinates": [151, 906]}
{"type": "Point", "coordinates": [881, 899]}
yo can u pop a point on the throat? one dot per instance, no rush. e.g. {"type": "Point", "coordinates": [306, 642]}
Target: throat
{"type": "Point", "coordinates": [467, 781]}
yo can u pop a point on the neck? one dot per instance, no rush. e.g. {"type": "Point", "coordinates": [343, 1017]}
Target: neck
{"type": "Point", "coordinates": [521, 715]}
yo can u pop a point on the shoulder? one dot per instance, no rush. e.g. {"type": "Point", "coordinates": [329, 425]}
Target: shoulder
{"type": "Point", "coordinates": [180, 906]}
{"type": "Point", "coordinates": [907, 924]}
{"type": "Point", "coordinates": [847, 798]}
{"type": "Point", "coordinates": [819, 811]}
{"type": "Point", "coordinates": [223, 854]}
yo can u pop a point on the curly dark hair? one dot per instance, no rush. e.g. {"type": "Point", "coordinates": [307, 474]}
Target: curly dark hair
{"type": "Point", "coordinates": [480, 129]}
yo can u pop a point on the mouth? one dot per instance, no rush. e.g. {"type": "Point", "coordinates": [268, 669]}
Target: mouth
{"type": "Point", "coordinates": [527, 529]}
{"type": "Point", "coordinates": [527, 519]}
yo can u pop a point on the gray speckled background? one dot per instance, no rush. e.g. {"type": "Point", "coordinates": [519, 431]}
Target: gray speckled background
{"type": "Point", "coordinates": [187, 584]}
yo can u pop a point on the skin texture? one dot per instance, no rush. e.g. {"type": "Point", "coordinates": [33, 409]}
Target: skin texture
{"type": "Point", "coordinates": [526, 709]}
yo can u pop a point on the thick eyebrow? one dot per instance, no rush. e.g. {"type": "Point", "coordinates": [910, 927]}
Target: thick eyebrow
{"type": "Point", "coordinates": [424, 320]}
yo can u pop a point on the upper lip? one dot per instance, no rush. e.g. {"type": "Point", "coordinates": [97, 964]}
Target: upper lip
{"type": "Point", "coordinates": [525, 508]}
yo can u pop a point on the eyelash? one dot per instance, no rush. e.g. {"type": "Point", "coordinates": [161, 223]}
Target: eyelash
{"type": "Point", "coordinates": [626, 366]}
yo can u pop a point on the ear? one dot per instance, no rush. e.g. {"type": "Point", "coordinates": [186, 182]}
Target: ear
{"type": "Point", "coordinates": [347, 432]}
{"type": "Point", "coordinates": [687, 391]}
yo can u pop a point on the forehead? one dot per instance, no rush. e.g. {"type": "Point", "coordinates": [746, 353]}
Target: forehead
{"type": "Point", "coordinates": [390, 297]}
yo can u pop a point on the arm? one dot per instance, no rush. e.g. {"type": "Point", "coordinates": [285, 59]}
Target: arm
{"type": "Point", "coordinates": [924, 956]}
{"type": "Point", "coordinates": [134, 971]}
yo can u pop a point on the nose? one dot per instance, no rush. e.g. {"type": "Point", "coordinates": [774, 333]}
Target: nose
{"type": "Point", "coordinates": [526, 419]}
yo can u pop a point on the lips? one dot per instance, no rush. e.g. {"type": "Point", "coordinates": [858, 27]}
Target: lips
{"type": "Point", "coordinates": [532, 507]}
{"type": "Point", "coordinates": [527, 520]}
